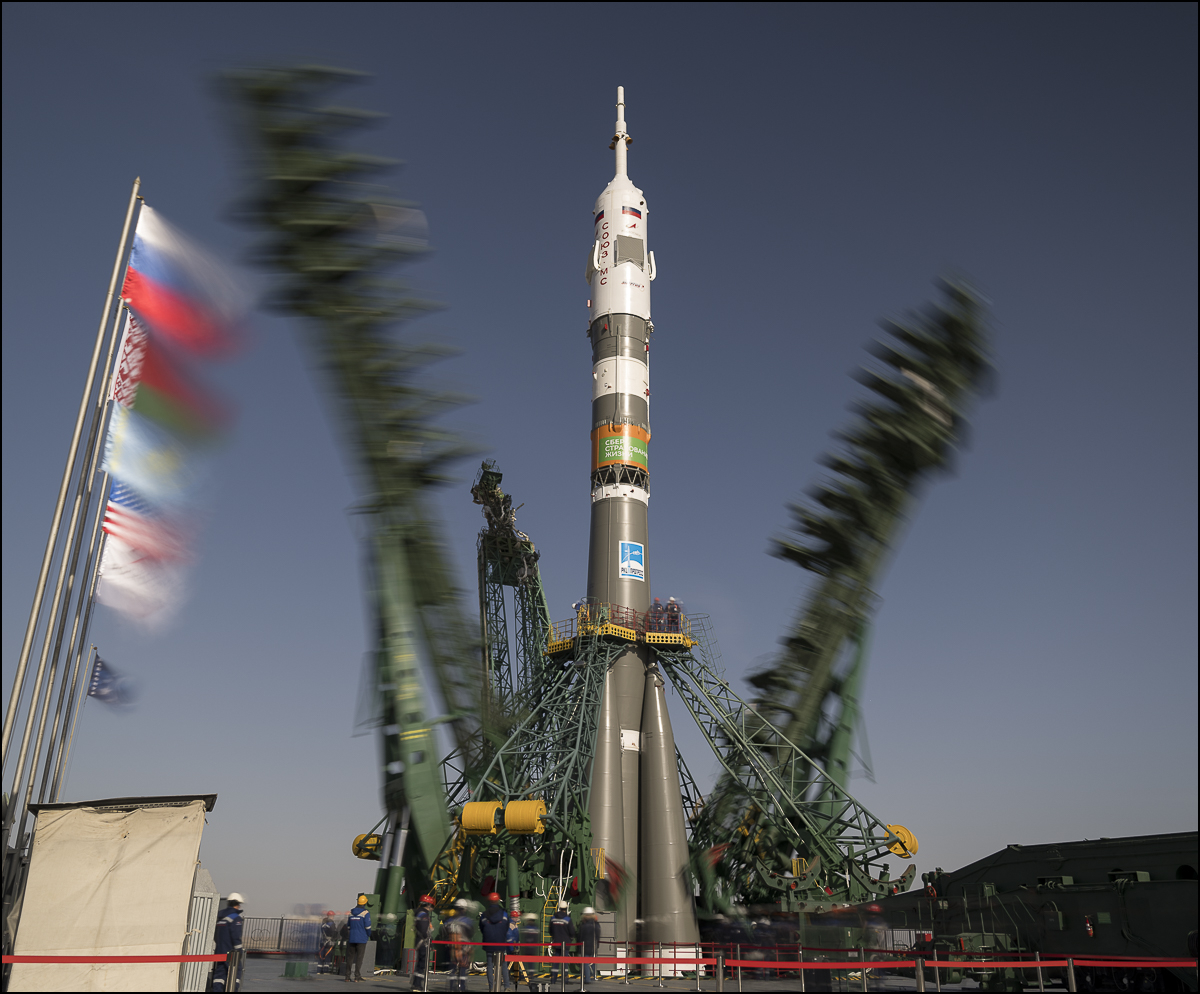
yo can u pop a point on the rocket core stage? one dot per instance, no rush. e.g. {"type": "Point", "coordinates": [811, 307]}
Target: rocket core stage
{"type": "Point", "coordinates": [636, 805]}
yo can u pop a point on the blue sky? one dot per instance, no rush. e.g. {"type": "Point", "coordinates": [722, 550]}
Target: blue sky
{"type": "Point", "coordinates": [810, 170]}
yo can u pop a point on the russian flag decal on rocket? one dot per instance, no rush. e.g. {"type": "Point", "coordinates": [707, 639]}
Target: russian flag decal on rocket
{"type": "Point", "coordinates": [631, 210]}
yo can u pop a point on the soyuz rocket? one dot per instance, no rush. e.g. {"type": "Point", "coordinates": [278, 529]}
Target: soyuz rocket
{"type": "Point", "coordinates": [636, 805]}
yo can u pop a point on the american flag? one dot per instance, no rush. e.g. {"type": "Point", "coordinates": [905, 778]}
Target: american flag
{"type": "Point", "coordinates": [130, 518]}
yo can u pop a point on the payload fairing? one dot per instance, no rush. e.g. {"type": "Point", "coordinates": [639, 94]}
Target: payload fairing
{"type": "Point", "coordinates": [636, 804]}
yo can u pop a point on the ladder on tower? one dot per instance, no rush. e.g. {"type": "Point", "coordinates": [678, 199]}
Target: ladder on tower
{"type": "Point", "coordinates": [548, 909]}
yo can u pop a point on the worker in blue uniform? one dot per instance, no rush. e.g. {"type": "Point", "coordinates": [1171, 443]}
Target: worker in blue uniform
{"type": "Point", "coordinates": [493, 926]}
{"type": "Point", "coordinates": [531, 945]}
{"type": "Point", "coordinates": [423, 927]}
{"type": "Point", "coordinates": [589, 938]}
{"type": "Point", "coordinates": [229, 939]}
{"type": "Point", "coordinates": [459, 929]}
{"type": "Point", "coordinates": [562, 935]}
{"type": "Point", "coordinates": [356, 941]}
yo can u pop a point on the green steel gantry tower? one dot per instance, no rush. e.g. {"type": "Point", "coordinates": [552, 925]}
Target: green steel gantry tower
{"type": "Point", "coordinates": [511, 800]}
{"type": "Point", "coordinates": [331, 237]}
{"type": "Point", "coordinates": [801, 722]}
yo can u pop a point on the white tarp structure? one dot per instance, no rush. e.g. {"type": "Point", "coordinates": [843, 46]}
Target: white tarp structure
{"type": "Point", "coordinates": [109, 878]}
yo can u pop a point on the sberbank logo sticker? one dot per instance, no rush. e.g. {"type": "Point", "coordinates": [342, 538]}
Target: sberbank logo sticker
{"type": "Point", "coordinates": [622, 448]}
{"type": "Point", "coordinates": [633, 560]}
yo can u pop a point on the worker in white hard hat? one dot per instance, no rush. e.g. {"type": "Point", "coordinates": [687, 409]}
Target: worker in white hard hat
{"type": "Point", "coordinates": [589, 940]}
{"type": "Point", "coordinates": [229, 940]}
{"type": "Point", "coordinates": [562, 935]}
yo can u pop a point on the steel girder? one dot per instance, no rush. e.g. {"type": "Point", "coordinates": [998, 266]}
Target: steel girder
{"type": "Point", "coordinates": [784, 804]}
{"type": "Point", "coordinates": [330, 238]}
{"type": "Point", "coordinates": [903, 437]}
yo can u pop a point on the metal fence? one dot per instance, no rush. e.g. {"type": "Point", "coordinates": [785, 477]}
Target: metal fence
{"type": "Point", "coordinates": [280, 935]}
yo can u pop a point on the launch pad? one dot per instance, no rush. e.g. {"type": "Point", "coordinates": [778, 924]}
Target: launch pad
{"type": "Point", "coordinates": [564, 783]}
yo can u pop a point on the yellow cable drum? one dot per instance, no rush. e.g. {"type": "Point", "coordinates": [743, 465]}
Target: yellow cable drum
{"type": "Point", "coordinates": [367, 846]}
{"type": "Point", "coordinates": [479, 817]}
{"type": "Point", "coordinates": [906, 846]}
{"type": "Point", "coordinates": [525, 817]}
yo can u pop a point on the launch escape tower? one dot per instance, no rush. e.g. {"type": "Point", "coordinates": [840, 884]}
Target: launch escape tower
{"type": "Point", "coordinates": [564, 780]}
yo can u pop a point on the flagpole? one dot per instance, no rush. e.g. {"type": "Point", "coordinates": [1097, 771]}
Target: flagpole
{"type": "Point", "coordinates": [74, 708]}
{"type": "Point", "coordinates": [75, 721]}
{"type": "Point", "coordinates": [78, 635]}
{"type": "Point", "coordinates": [95, 447]}
{"type": "Point", "coordinates": [48, 556]}
{"type": "Point", "coordinates": [65, 584]}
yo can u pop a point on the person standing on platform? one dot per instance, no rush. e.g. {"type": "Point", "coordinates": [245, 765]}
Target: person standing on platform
{"type": "Point", "coordinates": [357, 939]}
{"type": "Point", "coordinates": [589, 938]}
{"type": "Point", "coordinates": [562, 934]}
{"type": "Point", "coordinates": [229, 940]}
{"type": "Point", "coordinates": [657, 616]}
{"type": "Point", "coordinates": [493, 926]}
{"type": "Point", "coordinates": [674, 615]}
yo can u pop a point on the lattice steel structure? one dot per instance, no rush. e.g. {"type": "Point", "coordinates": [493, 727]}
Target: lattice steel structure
{"type": "Point", "coordinates": [331, 238]}
{"type": "Point", "coordinates": [780, 807]}
{"type": "Point", "coordinates": [507, 558]}
{"type": "Point", "coordinates": [903, 437]}
{"type": "Point", "coordinates": [786, 752]}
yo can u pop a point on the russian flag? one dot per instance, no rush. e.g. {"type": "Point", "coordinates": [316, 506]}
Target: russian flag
{"type": "Point", "coordinates": [179, 290]}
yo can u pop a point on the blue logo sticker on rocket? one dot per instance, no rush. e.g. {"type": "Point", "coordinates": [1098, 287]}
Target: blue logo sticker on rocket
{"type": "Point", "coordinates": [633, 561]}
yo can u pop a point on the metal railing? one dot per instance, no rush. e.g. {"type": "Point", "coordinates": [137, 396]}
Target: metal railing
{"type": "Point", "coordinates": [592, 616]}
{"type": "Point", "coordinates": [280, 935]}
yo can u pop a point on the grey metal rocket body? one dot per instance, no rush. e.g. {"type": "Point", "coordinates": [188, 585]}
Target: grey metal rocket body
{"type": "Point", "coordinates": [619, 271]}
{"type": "Point", "coordinates": [665, 888]}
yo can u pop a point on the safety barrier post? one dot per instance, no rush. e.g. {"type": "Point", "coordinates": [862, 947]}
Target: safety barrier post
{"type": "Point", "coordinates": [1038, 958]}
{"type": "Point", "coordinates": [1071, 974]}
{"type": "Point", "coordinates": [920, 974]}
{"type": "Point", "coordinates": [739, 968]}
{"type": "Point", "coordinates": [660, 965]}
{"type": "Point", "coordinates": [862, 966]}
{"type": "Point", "coordinates": [937, 974]}
{"type": "Point", "coordinates": [720, 971]}
{"type": "Point", "coordinates": [800, 960]}
{"type": "Point", "coordinates": [235, 967]}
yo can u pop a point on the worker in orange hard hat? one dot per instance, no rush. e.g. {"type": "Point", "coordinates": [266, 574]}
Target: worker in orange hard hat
{"type": "Point", "coordinates": [360, 935]}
